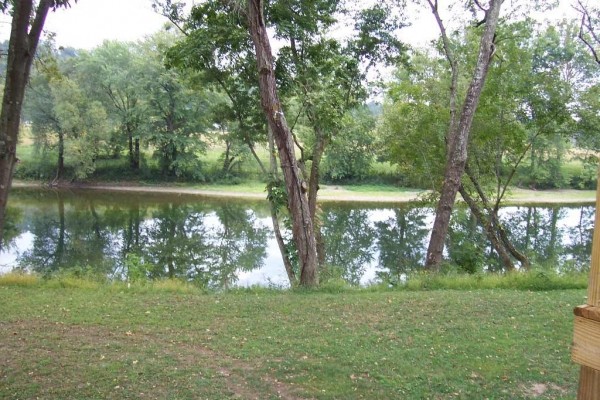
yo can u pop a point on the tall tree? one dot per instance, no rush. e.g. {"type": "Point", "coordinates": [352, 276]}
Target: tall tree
{"type": "Point", "coordinates": [228, 64]}
{"type": "Point", "coordinates": [327, 76]}
{"type": "Point", "coordinates": [177, 110]}
{"type": "Point", "coordinates": [63, 116]}
{"type": "Point", "coordinates": [457, 138]}
{"type": "Point", "coordinates": [26, 28]}
{"type": "Point", "coordinates": [113, 75]}
{"type": "Point", "coordinates": [296, 187]}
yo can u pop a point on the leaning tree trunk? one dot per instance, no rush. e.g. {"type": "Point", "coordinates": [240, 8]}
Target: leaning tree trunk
{"type": "Point", "coordinates": [302, 226]}
{"type": "Point", "coordinates": [458, 141]}
{"type": "Point", "coordinates": [494, 220]}
{"type": "Point", "coordinates": [496, 242]}
{"type": "Point", "coordinates": [287, 263]}
{"type": "Point", "coordinates": [21, 49]}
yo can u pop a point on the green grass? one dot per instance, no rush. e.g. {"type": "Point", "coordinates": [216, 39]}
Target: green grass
{"type": "Point", "coordinates": [110, 341]}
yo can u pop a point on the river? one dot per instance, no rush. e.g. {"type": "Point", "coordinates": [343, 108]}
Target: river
{"type": "Point", "coordinates": [223, 242]}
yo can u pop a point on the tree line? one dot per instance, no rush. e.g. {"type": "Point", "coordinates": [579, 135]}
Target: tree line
{"type": "Point", "coordinates": [502, 101]}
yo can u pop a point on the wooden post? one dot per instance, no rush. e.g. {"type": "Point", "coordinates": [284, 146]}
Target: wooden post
{"type": "Point", "coordinates": [586, 339]}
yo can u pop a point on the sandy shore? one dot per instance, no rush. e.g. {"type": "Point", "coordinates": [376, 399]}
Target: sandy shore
{"type": "Point", "coordinates": [337, 193]}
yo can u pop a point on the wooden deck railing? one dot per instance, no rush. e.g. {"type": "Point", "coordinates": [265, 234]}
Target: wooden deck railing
{"type": "Point", "coordinates": [586, 338]}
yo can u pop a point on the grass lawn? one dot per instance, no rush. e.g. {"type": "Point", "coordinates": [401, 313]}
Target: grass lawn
{"type": "Point", "coordinates": [111, 342]}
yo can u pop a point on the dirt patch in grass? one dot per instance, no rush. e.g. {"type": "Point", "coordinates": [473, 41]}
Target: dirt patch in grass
{"type": "Point", "coordinates": [60, 360]}
{"type": "Point", "coordinates": [537, 390]}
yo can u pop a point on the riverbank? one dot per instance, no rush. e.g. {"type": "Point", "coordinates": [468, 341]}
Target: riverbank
{"type": "Point", "coordinates": [113, 342]}
{"type": "Point", "coordinates": [335, 193]}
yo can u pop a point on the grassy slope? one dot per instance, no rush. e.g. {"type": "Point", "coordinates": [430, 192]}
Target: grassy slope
{"type": "Point", "coordinates": [110, 342]}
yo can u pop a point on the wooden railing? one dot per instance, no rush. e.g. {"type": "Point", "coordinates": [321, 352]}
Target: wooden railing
{"type": "Point", "coordinates": [586, 338]}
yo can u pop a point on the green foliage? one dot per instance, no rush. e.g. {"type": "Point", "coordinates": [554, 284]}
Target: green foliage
{"type": "Point", "coordinates": [137, 270]}
{"type": "Point", "coordinates": [218, 52]}
{"type": "Point", "coordinates": [414, 123]}
{"type": "Point", "coordinates": [177, 112]}
{"type": "Point", "coordinates": [351, 152]}
{"type": "Point", "coordinates": [277, 194]}
{"type": "Point", "coordinates": [113, 75]}
{"type": "Point", "coordinates": [532, 280]}
{"type": "Point", "coordinates": [63, 116]}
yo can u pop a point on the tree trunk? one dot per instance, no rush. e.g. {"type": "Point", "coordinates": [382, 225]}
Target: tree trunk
{"type": "Point", "coordinates": [302, 226]}
{"type": "Point", "coordinates": [458, 141]}
{"type": "Point", "coordinates": [136, 154]}
{"type": "Point", "coordinates": [60, 165]}
{"type": "Point", "coordinates": [522, 258]}
{"type": "Point", "coordinates": [488, 227]}
{"type": "Point", "coordinates": [496, 225]}
{"type": "Point", "coordinates": [21, 49]}
{"type": "Point", "coordinates": [313, 188]}
{"type": "Point", "coordinates": [287, 263]}
{"type": "Point", "coordinates": [256, 157]}
{"type": "Point", "coordinates": [226, 160]}
{"type": "Point", "coordinates": [131, 149]}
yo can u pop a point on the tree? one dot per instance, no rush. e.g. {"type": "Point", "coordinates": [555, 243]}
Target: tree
{"type": "Point", "coordinates": [588, 132]}
{"type": "Point", "coordinates": [226, 63]}
{"type": "Point", "coordinates": [302, 223]}
{"type": "Point", "coordinates": [527, 101]}
{"type": "Point", "coordinates": [26, 29]}
{"type": "Point", "coordinates": [457, 138]}
{"type": "Point", "coordinates": [326, 77]}
{"type": "Point", "coordinates": [414, 122]}
{"type": "Point", "coordinates": [319, 74]}
{"type": "Point", "coordinates": [113, 75]}
{"type": "Point", "coordinates": [177, 111]}
{"type": "Point", "coordinates": [63, 116]}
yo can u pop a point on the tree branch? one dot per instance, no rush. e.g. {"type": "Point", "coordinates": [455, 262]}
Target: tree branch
{"type": "Point", "coordinates": [587, 25]}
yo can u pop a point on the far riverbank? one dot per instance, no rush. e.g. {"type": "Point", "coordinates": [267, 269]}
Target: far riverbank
{"type": "Point", "coordinates": [337, 193]}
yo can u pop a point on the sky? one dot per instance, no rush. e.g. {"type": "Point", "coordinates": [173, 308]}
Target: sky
{"type": "Point", "coordinates": [89, 22]}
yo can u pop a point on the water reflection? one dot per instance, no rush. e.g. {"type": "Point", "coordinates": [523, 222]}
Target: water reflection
{"type": "Point", "coordinates": [220, 243]}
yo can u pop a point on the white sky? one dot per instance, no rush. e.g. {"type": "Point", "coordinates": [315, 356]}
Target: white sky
{"type": "Point", "coordinates": [89, 22]}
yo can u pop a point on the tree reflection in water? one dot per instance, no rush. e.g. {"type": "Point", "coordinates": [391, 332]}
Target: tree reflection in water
{"type": "Point", "coordinates": [211, 242]}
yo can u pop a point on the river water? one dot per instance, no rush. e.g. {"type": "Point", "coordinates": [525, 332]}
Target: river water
{"type": "Point", "coordinates": [220, 242]}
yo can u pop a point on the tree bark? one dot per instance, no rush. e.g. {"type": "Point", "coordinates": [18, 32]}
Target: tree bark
{"type": "Point", "coordinates": [136, 154]}
{"type": "Point", "coordinates": [134, 149]}
{"type": "Point", "coordinates": [458, 141]}
{"type": "Point", "coordinates": [21, 49]}
{"type": "Point", "coordinates": [60, 167]}
{"type": "Point", "coordinates": [302, 226]}
{"type": "Point", "coordinates": [490, 232]}
{"type": "Point", "coordinates": [287, 263]}
{"type": "Point", "coordinates": [496, 225]}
